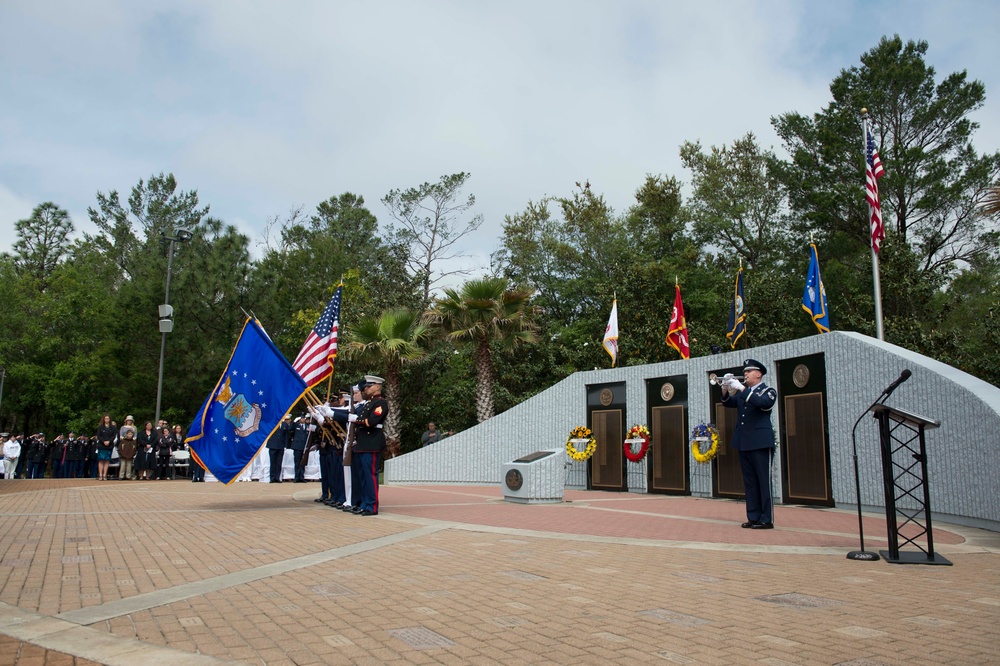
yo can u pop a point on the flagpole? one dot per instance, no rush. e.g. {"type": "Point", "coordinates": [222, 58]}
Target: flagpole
{"type": "Point", "coordinates": [746, 329]}
{"type": "Point", "coordinates": [879, 331]}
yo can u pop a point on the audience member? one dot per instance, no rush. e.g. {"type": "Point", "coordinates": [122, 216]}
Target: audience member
{"type": "Point", "coordinates": [145, 457]}
{"type": "Point", "coordinates": [107, 433]}
{"type": "Point", "coordinates": [11, 454]}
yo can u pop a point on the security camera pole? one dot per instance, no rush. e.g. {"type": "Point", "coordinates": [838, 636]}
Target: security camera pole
{"type": "Point", "coordinates": [167, 312]}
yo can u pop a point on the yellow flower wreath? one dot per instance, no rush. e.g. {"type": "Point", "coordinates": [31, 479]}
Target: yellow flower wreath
{"type": "Point", "coordinates": [580, 432]}
{"type": "Point", "coordinates": [701, 432]}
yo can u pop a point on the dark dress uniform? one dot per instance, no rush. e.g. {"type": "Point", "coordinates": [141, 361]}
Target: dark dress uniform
{"type": "Point", "coordinates": [753, 438]}
{"type": "Point", "coordinates": [38, 458]}
{"type": "Point", "coordinates": [337, 490]}
{"type": "Point", "coordinates": [58, 456]}
{"type": "Point", "coordinates": [300, 438]}
{"type": "Point", "coordinates": [276, 449]}
{"type": "Point", "coordinates": [368, 451]}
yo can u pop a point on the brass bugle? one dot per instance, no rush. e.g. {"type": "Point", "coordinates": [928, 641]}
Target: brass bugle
{"type": "Point", "coordinates": [714, 379]}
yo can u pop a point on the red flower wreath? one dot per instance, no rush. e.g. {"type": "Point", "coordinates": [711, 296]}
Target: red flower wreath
{"type": "Point", "coordinates": [636, 432]}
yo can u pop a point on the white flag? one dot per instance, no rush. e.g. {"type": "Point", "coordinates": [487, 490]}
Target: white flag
{"type": "Point", "coordinates": [611, 334]}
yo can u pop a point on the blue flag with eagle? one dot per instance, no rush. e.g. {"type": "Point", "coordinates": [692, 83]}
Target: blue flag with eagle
{"type": "Point", "coordinates": [737, 325]}
{"type": "Point", "coordinates": [814, 296]}
{"type": "Point", "coordinates": [254, 393]}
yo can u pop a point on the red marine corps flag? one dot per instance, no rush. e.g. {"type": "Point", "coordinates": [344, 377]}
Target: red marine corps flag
{"type": "Point", "coordinates": [677, 334]}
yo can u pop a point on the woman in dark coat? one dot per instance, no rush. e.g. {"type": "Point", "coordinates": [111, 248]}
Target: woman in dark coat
{"type": "Point", "coordinates": [106, 436]}
{"type": "Point", "coordinates": [145, 457]}
{"type": "Point", "coordinates": [163, 451]}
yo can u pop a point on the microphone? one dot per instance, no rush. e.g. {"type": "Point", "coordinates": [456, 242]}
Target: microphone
{"type": "Point", "coordinates": [903, 376]}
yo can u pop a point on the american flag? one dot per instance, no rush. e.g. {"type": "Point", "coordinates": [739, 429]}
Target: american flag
{"type": "Point", "coordinates": [315, 360]}
{"type": "Point", "coordinates": [874, 171]}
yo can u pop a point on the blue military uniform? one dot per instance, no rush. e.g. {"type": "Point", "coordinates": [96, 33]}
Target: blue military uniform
{"type": "Point", "coordinates": [337, 488]}
{"type": "Point", "coordinates": [753, 439]}
{"type": "Point", "coordinates": [369, 447]}
{"type": "Point", "coordinates": [276, 444]}
{"type": "Point", "coordinates": [300, 437]}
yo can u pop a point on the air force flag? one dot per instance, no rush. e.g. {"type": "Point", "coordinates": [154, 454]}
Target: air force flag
{"type": "Point", "coordinates": [254, 393]}
{"type": "Point", "coordinates": [814, 296]}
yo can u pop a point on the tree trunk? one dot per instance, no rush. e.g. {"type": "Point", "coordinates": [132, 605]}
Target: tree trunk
{"type": "Point", "coordinates": [484, 382]}
{"type": "Point", "coordinates": [394, 420]}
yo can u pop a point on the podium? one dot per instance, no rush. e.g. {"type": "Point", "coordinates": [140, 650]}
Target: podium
{"type": "Point", "coordinates": [904, 477]}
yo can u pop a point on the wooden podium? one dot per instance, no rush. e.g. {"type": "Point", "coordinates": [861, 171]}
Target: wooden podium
{"type": "Point", "coordinates": [904, 477]}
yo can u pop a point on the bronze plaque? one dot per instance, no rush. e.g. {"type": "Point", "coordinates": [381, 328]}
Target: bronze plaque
{"type": "Point", "coordinates": [667, 391]}
{"type": "Point", "coordinates": [532, 457]}
{"type": "Point", "coordinates": [514, 480]}
{"type": "Point", "coordinates": [607, 396]}
{"type": "Point", "coordinates": [800, 376]}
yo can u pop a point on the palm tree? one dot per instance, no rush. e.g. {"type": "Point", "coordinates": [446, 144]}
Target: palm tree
{"type": "Point", "coordinates": [484, 312]}
{"type": "Point", "coordinates": [391, 339]}
{"type": "Point", "coordinates": [991, 202]}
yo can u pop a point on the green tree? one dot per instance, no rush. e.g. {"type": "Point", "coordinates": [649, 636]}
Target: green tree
{"type": "Point", "coordinates": [295, 278]}
{"type": "Point", "coordinates": [934, 178]}
{"type": "Point", "coordinates": [390, 340]}
{"type": "Point", "coordinates": [42, 241]}
{"type": "Point", "coordinates": [738, 205]}
{"type": "Point", "coordinates": [430, 218]}
{"type": "Point", "coordinates": [485, 312]}
{"type": "Point", "coordinates": [211, 285]}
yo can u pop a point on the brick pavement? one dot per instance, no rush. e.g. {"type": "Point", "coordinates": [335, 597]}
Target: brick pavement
{"type": "Point", "coordinates": [171, 572]}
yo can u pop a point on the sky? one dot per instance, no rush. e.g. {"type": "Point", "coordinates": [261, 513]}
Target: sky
{"type": "Point", "coordinates": [264, 107]}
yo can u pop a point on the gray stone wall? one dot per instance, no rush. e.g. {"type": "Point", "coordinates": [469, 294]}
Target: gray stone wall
{"type": "Point", "coordinates": [963, 454]}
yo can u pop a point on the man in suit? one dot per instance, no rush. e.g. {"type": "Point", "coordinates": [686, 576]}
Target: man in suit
{"type": "Point", "coordinates": [753, 438]}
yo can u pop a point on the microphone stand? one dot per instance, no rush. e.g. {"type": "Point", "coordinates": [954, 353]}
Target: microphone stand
{"type": "Point", "coordinates": [861, 554]}
{"type": "Point", "coordinates": [883, 396]}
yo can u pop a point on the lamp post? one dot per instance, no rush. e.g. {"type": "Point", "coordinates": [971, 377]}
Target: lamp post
{"type": "Point", "coordinates": [167, 312]}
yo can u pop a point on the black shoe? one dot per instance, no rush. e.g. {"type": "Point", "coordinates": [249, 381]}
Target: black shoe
{"type": "Point", "coordinates": [763, 526]}
{"type": "Point", "coordinates": [356, 510]}
{"type": "Point", "coordinates": [337, 505]}
{"type": "Point", "coordinates": [749, 524]}
{"type": "Point", "coordinates": [347, 507]}
{"type": "Point", "coordinates": [319, 499]}
{"type": "Point", "coordinates": [366, 512]}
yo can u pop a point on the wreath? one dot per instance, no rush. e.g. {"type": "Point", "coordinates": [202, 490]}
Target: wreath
{"type": "Point", "coordinates": [634, 433]}
{"type": "Point", "coordinates": [704, 433]}
{"type": "Point", "coordinates": [578, 433]}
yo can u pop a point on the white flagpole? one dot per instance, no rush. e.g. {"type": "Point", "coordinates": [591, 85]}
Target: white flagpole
{"type": "Point", "coordinates": [879, 331]}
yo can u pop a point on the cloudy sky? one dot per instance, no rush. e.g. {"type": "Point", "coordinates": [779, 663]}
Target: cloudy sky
{"type": "Point", "coordinates": [264, 106]}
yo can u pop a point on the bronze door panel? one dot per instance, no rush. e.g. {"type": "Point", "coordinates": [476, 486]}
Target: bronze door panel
{"type": "Point", "coordinates": [805, 447]}
{"type": "Point", "coordinates": [668, 449]}
{"type": "Point", "coordinates": [726, 466]}
{"type": "Point", "coordinates": [607, 463]}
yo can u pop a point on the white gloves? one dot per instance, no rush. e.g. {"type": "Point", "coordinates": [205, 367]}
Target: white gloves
{"type": "Point", "coordinates": [317, 415]}
{"type": "Point", "coordinates": [736, 385]}
{"type": "Point", "coordinates": [352, 418]}
{"type": "Point", "coordinates": [312, 428]}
